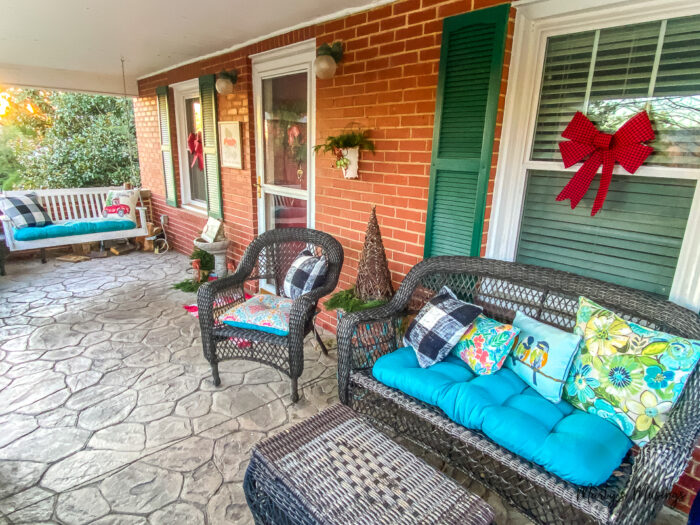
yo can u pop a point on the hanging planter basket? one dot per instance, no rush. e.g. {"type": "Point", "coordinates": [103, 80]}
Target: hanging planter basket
{"type": "Point", "coordinates": [353, 159]}
{"type": "Point", "coordinates": [346, 149]}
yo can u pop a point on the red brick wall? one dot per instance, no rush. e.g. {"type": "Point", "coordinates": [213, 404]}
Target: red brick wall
{"type": "Point", "coordinates": [386, 82]}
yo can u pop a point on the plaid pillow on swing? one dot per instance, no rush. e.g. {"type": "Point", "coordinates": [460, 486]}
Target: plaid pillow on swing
{"type": "Point", "coordinates": [306, 273]}
{"type": "Point", "coordinates": [25, 211]}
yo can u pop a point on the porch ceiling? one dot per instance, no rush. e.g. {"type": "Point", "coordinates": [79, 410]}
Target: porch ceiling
{"type": "Point", "coordinates": [77, 45]}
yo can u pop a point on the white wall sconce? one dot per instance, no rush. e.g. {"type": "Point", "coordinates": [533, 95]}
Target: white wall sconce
{"type": "Point", "coordinates": [327, 58]}
{"type": "Point", "coordinates": [225, 81]}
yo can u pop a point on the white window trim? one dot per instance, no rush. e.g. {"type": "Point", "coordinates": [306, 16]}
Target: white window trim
{"type": "Point", "coordinates": [295, 58]}
{"type": "Point", "coordinates": [181, 92]}
{"type": "Point", "coordinates": [536, 21]}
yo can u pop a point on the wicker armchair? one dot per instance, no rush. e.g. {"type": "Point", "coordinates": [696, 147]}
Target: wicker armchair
{"type": "Point", "coordinates": [268, 257]}
{"type": "Point", "coordinates": [633, 495]}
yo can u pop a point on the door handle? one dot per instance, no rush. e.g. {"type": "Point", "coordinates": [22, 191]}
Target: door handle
{"type": "Point", "coordinates": [258, 185]}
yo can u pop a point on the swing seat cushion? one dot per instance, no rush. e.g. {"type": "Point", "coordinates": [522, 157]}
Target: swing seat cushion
{"type": "Point", "coordinates": [68, 228]}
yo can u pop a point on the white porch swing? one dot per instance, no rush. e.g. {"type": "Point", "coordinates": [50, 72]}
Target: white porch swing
{"type": "Point", "coordinates": [74, 205]}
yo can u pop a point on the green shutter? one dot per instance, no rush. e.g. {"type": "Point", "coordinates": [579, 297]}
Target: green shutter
{"type": "Point", "coordinates": [471, 63]}
{"type": "Point", "coordinates": [212, 172]}
{"type": "Point", "coordinates": [165, 146]}
{"type": "Point", "coordinates": [635, 240]}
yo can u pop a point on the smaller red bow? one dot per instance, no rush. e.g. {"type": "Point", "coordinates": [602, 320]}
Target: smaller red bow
{"type": "Point", "coordinates": [195, 147]}
{"type": "Point", "coordinates": [292, 133]}
{"type": "Point", "coordinates": [624, 146]}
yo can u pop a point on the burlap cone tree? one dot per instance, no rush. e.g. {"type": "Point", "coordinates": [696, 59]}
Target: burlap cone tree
{"type": "Point", "coordinates": [373, 277]}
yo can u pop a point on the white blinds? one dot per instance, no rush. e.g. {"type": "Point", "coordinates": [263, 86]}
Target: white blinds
{"type": "Point", "coordinates": [611, 74]}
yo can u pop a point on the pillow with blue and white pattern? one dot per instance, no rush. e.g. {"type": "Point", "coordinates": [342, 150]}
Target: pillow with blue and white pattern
{"type": "Point", "coordinates": [439, 326]}
{"type": "Point", "coordinates": [306, 273]}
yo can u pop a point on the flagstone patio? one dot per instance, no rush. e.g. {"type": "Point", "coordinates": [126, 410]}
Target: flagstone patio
{"type": "Point", "coordinates": [107, 411]}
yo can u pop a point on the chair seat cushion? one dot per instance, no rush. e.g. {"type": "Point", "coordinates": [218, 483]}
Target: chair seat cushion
{"type": "Point", "coordinates": [65, 229]}
{"type": "Point", "coordinates": [263, 312]}
{"type": "Point", "coordinates": [577, 446]}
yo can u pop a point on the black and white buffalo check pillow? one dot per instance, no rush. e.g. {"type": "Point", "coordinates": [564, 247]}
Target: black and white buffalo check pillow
{"type": "Point", "coordinates": [306, 273]}
{"type": "Point", "coordinates": [439, 326]}
{"type": "Point", "coordinates": [25, 210]}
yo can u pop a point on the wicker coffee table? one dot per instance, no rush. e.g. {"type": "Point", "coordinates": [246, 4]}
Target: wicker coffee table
{"type": "Point", "coordinates": [334, 468]}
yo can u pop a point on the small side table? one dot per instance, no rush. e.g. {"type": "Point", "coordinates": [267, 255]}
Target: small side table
{"type": "Point", "coordinates": [334, 468]}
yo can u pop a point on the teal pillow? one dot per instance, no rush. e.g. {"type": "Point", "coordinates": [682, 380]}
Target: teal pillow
{"type": "Point", "coordinates": [542, 356]}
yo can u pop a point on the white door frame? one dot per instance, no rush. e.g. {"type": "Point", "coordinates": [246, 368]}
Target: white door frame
{"type": "Point", "coordinates": [181, 92]}
{"type": "Point", "coordinates": [295, 58]}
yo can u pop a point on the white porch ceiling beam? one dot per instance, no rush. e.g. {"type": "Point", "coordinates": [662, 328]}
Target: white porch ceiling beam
{"type": "Point", "coordinates": [77, 44]}
{"type": "Point", "coordinates": [65, 80]}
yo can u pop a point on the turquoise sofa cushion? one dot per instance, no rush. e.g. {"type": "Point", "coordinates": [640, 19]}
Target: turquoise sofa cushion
{"type": "Point", "coordinates": [576, 446]}
{"type": "Point", "coordinates": [65, 229]}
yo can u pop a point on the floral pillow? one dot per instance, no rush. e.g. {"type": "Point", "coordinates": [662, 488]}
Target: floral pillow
{"type": "Point", "coordinates": [626, 373]}
{"type": "Point", "coordinates": [485, 345]}
{"type": "Point", "coordinates": [264, 312]}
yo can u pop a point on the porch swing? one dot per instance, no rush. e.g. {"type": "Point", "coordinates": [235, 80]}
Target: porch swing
{"type": "Point", "coordinates": [76, 214]}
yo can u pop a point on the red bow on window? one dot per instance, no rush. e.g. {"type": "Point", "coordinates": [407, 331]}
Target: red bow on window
{"type": "Point", "coordinates": [195, 147]}
{"type": "Point", "coordinates": [624, 146]}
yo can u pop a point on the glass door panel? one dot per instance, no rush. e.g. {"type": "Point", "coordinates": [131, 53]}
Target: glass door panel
{"type": "Point", "coordinates": [285, 212]}
{"type": "Point", "coordinates": [198, 187]}
{"type": "Point", "coordinates": [285, 130]}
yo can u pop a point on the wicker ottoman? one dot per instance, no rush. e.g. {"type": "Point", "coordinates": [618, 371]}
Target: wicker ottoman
{"type": "Point", "coordinates": [334, 468]}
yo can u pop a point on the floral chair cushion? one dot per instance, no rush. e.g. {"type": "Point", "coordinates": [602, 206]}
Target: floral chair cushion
{"type": "Point", "coordinates": [485, 345]}
{"type": "Point", "coordinates": [542, 356]}
{"type": "Point", "coordinates": [263, 312]}
{"type": "Point", "coordinates": [626, 373]}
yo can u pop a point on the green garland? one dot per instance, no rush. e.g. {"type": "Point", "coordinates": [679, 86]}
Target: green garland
{"type": "Point", "coordinates": [206, 259]}
{"type": "Point", "coordinates": [188, 285]}
{"type": "Point", "coordinates": [349, 302]}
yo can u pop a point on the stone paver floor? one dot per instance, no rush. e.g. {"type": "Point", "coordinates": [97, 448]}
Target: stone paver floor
{"type": "Point", "coordinates": [107, 411]}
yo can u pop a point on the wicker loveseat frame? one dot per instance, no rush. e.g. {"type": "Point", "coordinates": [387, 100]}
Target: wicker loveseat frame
{"type": "Point", "coordinates": [267, 258]}
{"type": "Point", "coordinates": [633, 495]}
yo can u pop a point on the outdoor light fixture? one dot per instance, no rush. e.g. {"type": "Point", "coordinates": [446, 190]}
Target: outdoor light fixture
{"type": "Point", "coordinates": [225, 81]}
{"type": "Point", "coordinates": [327, 58]}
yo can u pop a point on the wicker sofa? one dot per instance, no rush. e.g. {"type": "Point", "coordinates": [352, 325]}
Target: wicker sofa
{"type": "Point", "coordinates": [636, 492]}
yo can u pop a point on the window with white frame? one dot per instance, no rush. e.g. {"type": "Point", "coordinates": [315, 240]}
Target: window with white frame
{"type": "Point", "coordinates": [645, 235]}
{"type": "Point", "coordinates": [188, 121]}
